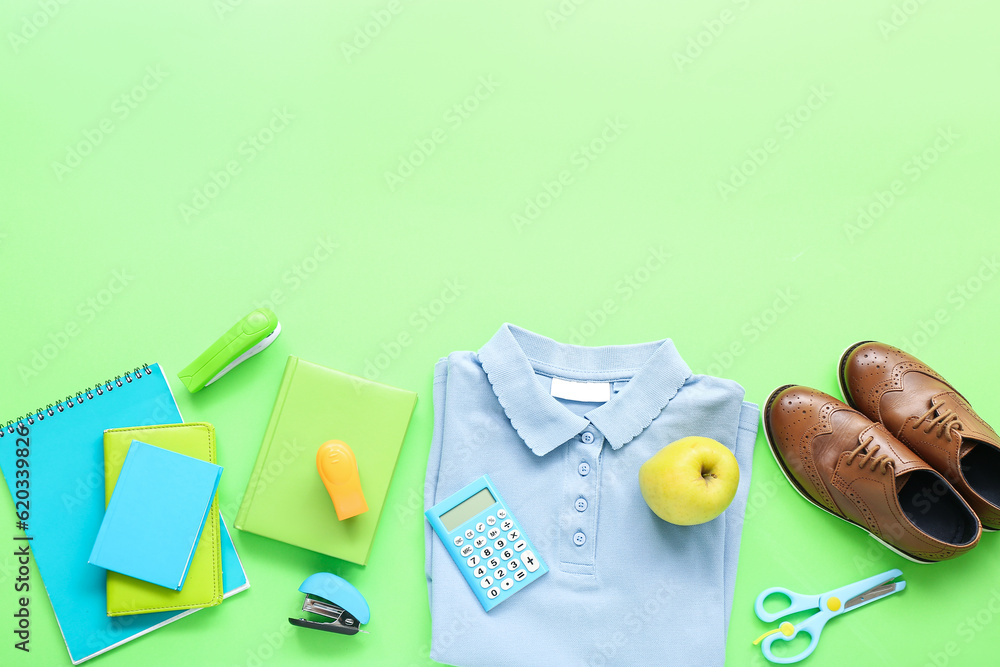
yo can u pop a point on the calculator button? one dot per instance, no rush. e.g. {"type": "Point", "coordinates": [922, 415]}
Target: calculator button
{"type": "Point", "coordinates": [459, 541]}
{"type": "Point", "coordinates": [487, 552]}
{"type": "Point", "coordinates": [473, 561]}
{"type": "Point", "coordinates": [520, 546]}
{"type": "Point", "coordinates": [500, 544]}
{"type": "Point", "coordinates": [479, 571]}
{"type": "Point", "coordinates": [500, 573]}
{"type": "Point", "coordinates": [480, 541]}
{"type": "Point", "coordinates": [513, 535]}
{"type": "Point", "coordinates": [467, 550]}
{"type": "Point", "coordinates": [493, 533]}
{"type": "Point", "coordinates": [493, 592]}
{"type": "Point", "coordinates": [507, 525]}
{"type": "Point", "coordinates": [506, 584]}
{"type": "Point", "coordinates": [480, 527]}
{"type": "Point", "coordinates": [490, 520]}
{"type": "Point", "coordinates": [470, 533]}
{"type": "Point", "coordinates": [520, 576]}
{"type": "Point", "coordinates": [492, 563]}
{"type": "Point", "coordinates": [501, 514]}
{"type": "Point", "coordinates": [486, 582]}
{"type": "Point", "coordinates": [530, 561]}
{"type": "Point", "coordinates": [507, 553]}
{"type": "Point", "coordinates": [513, 564]}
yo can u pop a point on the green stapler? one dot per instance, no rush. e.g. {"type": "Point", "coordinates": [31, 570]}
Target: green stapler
{"type": "Point", "coordinates": [246, 338]}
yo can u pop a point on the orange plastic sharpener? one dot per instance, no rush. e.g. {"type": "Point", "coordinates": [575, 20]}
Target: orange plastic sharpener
{"type": "Point", "coordinates": [339, 471]}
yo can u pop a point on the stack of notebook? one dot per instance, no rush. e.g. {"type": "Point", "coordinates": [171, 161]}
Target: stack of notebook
{"type": "Point", "coordinates": [82, 444]}
{"type": "Point", "coordinates": [160, 538]}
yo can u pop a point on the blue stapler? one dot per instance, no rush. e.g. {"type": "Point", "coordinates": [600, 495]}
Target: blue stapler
{"type": "Point", "coordinates": [331, 596]}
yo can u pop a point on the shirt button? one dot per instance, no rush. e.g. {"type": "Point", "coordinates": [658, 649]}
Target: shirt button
{"type": "Point", "coordinates": [583, 469]}
{"type": "Point", "coordinates": [579, 539]}
{"type": "Point", "coordinates": [587, 437]}
{"type": "Point", "coordinates": [581, 504]}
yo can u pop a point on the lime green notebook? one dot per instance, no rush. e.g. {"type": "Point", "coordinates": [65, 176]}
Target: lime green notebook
{"type": "Point", "coordinates": [285, 498]}
{"type": "Point", "coordinates": [203, 586]}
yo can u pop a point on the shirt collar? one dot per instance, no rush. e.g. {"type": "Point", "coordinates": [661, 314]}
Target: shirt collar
{"type": "Point", "coordinates": [512, 356]}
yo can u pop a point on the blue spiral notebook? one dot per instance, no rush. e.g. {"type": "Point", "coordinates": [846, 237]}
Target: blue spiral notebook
{"type": "Point", "coordinates": [66, 475]}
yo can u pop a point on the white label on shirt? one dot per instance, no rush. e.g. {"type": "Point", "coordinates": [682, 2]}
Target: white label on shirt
{"type": "Point", "coordinates": [584, 392]}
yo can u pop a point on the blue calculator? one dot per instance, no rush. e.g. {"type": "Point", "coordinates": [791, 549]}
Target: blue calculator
{"type": "Point", "coordinates": [486, 542]}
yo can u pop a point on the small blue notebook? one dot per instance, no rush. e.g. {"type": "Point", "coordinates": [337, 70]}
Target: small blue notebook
{"type": "Point", "coordinates": [155, 516]}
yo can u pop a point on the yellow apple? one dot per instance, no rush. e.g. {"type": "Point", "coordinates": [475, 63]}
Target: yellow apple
{"type": "Point", "coordinates": [690, 481]}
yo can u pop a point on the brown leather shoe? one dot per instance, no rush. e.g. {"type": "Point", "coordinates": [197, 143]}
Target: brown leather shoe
{"type": "Point", "coordinates": [842, 462]}
{"type": "Point", "coordinates": [927, 414]}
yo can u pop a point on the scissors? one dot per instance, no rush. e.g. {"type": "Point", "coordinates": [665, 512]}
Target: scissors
{"type": "Point", "coordinates": [830, 604]}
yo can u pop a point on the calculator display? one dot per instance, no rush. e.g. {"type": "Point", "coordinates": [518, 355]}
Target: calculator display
{"type": "Point", "coordinates": [454, 518]}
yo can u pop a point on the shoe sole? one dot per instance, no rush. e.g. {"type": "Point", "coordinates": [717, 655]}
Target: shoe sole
{"type": "Point", "coordinates": [840, 371]}
{"type": "Point", "coordinates": [801, 491]}
{"type": "Point", "coordinates": [847, 397]}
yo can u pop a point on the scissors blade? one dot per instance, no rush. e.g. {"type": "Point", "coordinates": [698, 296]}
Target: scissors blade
{"type": "Point", "coordinates": [873, 593]}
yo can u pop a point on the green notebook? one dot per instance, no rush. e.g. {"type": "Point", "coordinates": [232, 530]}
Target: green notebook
{"type": "Point", "coordinates": [203, 585]}
{"type": "Point", "coordinates": [285, 498]}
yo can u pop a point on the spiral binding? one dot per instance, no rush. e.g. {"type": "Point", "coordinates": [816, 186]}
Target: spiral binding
{"type": "Point", "coordinates": [75, 399]}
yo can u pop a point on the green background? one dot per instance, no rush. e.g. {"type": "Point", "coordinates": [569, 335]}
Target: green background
{"type": "Point", "coordinates": [815, 175]}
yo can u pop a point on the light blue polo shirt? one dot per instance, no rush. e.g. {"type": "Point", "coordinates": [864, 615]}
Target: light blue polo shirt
{"type": "Point", "coordinates": [624, 587]}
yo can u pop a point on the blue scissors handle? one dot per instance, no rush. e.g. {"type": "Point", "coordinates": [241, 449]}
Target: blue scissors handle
{"type": "Point", "coordinates": [798, 602]}
{"type": "Point", "coordinates": [812, 626]}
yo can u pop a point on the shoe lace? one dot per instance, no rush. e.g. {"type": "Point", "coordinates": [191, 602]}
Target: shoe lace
{"type": "Point", "coordinates": [869, 455]}
{"type": "Point", "coordinates": [946, 420]}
